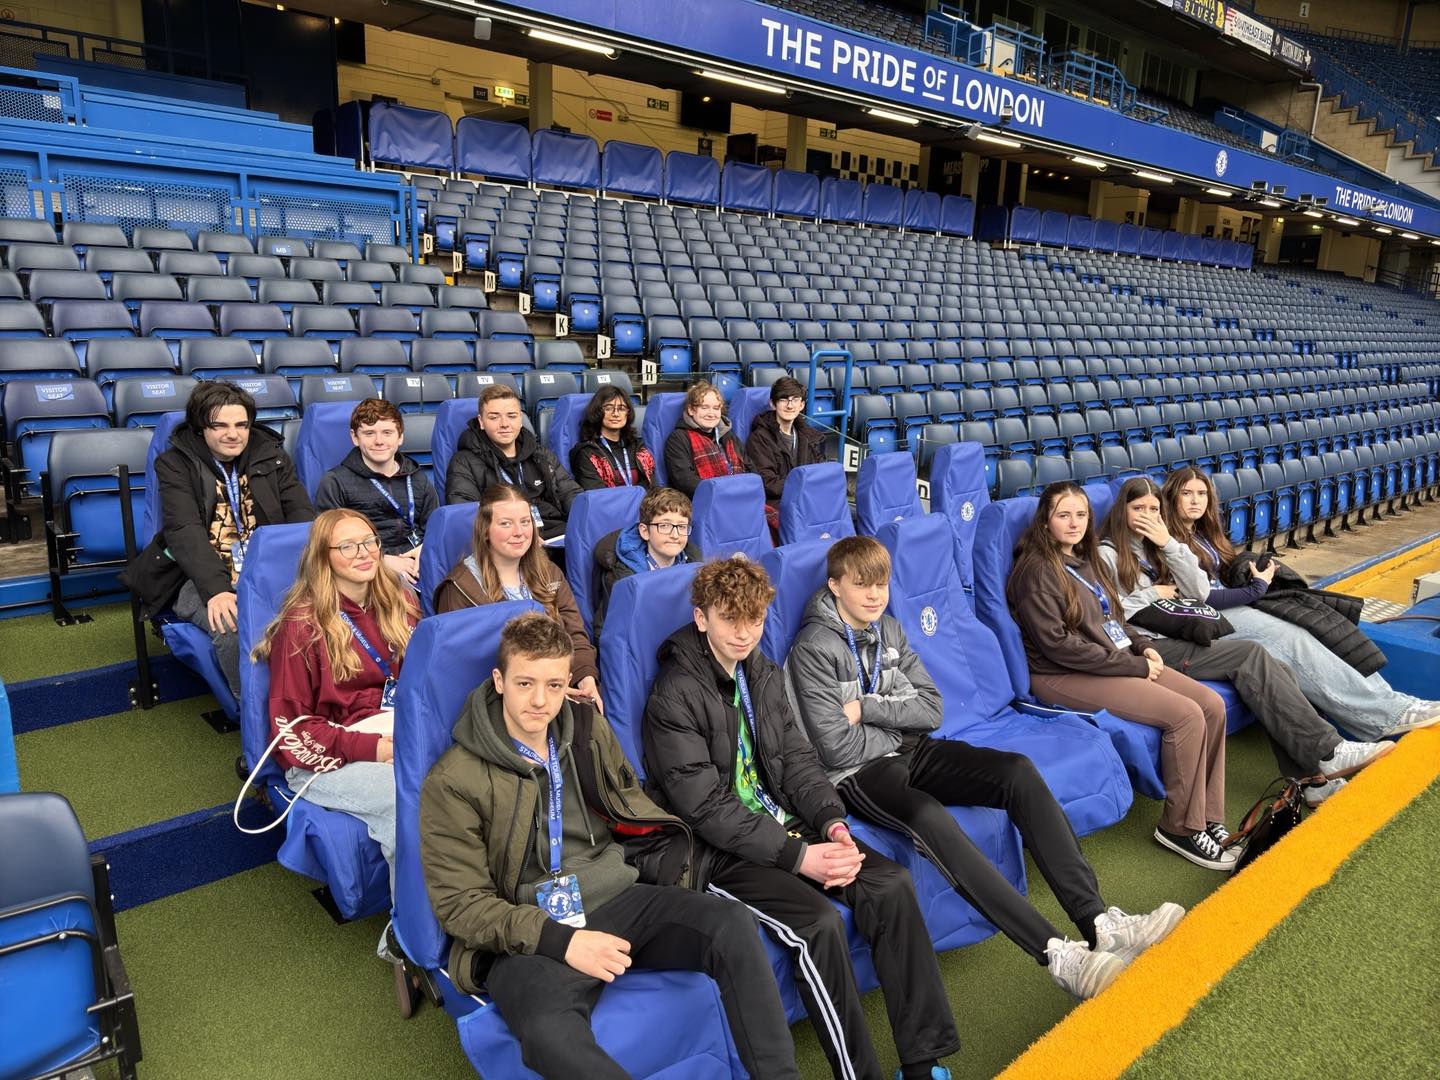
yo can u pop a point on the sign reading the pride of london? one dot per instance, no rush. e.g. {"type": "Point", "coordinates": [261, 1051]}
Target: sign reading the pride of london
{"type": "Point", "coordinates": [926, 83]}
{"type": "Point", "coordinates": [1363, 202]}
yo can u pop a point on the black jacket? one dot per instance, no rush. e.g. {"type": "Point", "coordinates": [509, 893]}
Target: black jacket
{"type": "Point", "coordinates": [1331, 618]}
{"type": "Point", "coordinates": [349, 484]}
{"type": "Point", "coordinates": [477, 465]}
{"type": "Point", "coordinates": [680, 470]}
{"type": "Point", "coordinates": [188, 478]}
{"type": "Point", "coordinates": [770, 453]}
{"type": "Point", "coordinates": [588, 458]}
{"type": "Point", "coordinates": [690, 735]}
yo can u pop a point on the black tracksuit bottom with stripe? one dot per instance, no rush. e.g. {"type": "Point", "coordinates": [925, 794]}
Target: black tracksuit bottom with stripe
{"type": "Point", "coordinates": [909, 792]}
{"type": "Point", "coordinates": [799, 915]}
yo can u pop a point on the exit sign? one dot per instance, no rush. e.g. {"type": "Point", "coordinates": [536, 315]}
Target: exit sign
{"type": "Point", "coordinates": [481, 94]}
{"type": "Point", "coordinates": [602, 114]}
{"type": "Point", "coordinates": [829, 133]}
{"type": "Point", "coordinates": [658, 104]}
{"type": "Point", "coordinates": [504, 93]}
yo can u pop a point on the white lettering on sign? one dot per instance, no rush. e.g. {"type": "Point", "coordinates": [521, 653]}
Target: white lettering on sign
{"type": "Point", "coordinates": [1364, 203]}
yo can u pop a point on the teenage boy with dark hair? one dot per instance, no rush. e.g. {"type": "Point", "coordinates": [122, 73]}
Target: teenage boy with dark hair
{"type": "Point", "coordinates": [519, 828]}
{"type": "Point", "coordinates": [870, 706]}
{"type": "Point", "coordinates": [660, 539]}
{"type": "Point", "coordinates": [222, 478]}
{"type": "Point", "coordinates": [388, 487]}
{"type": "Point", "coordinates": [722, 749]}
{"type": "Point", "coordinates": [497, 448]}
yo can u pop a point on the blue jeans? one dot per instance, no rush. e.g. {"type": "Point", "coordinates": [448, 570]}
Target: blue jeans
{"type": "Point", "coordinates": [1365, 706]}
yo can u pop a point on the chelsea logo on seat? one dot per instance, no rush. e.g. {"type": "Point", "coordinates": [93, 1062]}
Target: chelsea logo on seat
{"type": "Point", "coordinates": [929, 621]}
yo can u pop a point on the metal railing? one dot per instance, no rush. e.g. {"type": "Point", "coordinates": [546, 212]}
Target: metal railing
{"type": "Point", "coordinates": [20, 42]}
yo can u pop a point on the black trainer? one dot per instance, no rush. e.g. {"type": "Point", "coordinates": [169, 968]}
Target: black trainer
{"type": "Point", "coordinates": [1200, 848]}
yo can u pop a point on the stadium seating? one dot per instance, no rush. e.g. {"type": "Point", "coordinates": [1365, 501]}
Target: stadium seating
{"type": "Point", "coordinates": [449, 536]}
{"type": "Point", "coordinates": [729, 516]}
{"type": "Point", "coordinates": [593, 515]}
{"type": "Point", "coordinates": [813, 505]}
{"type": "Point", "coordinates": [957, 490]}
{"type": "Point", "coordinates": [885, 491]}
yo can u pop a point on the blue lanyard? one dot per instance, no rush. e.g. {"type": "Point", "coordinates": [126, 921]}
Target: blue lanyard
{"type": "Point", "coordinates": [623, 461]}
{"type": "Point", "coordinates": [855, 652]}
{"type": "Point", "coordinates": [1214, 556]}
{"type": "Point", "coordinates": [364, 643]}
{"type": "Point", "coordinates": [522, 591]}
{"type": "Point", "coordinates": [749, 709]}
{"type": "Point", "coordinates": [653, 565]}
{"type": "Point", "coordinates": [557, 795]}
{"type": "Point", "coordinates": [409, 517]}
{"type": "Point", "coordinates": [1096, 589]}
{"type": "Point", "coordinates": [724, 454]}
{"type": "Point", "coordinates": [232, 495]}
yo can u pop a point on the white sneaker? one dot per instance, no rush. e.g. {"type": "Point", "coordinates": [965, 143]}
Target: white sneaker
{"type": "Point", "coordinates": [1079, 970]}
{"type": "Point", "coordinates": [1350, 757]}
{"type": "Point", "coordinates": [1316, 795]}
{"type": "Point", "coordinates": [1127, 936]}
{"type": "Point", "coordinates": [1422, 714]}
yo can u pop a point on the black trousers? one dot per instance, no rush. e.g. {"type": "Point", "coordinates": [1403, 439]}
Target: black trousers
{"type": "Point", "coordinates": [1299, 736]}
{"type": "Point", "coordinates": [801, 918]}
{"type": "Point", "coordinates": [909, 793]}
{"type": "Point", "coordinates": [547, 1004]}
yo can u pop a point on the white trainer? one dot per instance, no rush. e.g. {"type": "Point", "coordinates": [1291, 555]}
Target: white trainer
{"type": "Point", "coordinates": [1350, 757]}
{"type": "Point", "coordinates": [1316, 795]}
{"type": "Point", "coordinates": [1422, 714]}
{"type": "Point", "coordinates": [1127, 936]}
{"type": "Point", "coordinates": [1079, 970]}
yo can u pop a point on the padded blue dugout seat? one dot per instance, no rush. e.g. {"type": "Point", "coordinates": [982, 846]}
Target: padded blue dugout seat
{"type": "Point", "coordinates": [958, 490]}
{"type": "Point", "coordinates": [1077, 761]}
{"type": "Point", "coordinates": [324, 441]}
{"type": "Point", "coordinates": [729, 516]}
{"type": "Point", "coordinates": [662, 413]}
{"type": "Point", "coordinates": [564, 431]}
{"type": "Point", "coordinates": [593, 515]}
{"type": "Point", "coordinates": [885, 491]}
{"type": "Point", "coordinates": [448, 535]}
{"type": "Point", "coordinates": [449, 655]}
{"type": "Point", "coordinates": [1001, 525]}
{"type": "Point", "coordinates": [815, 504]}
{"type": "Point", "coordinates": [327, 845]}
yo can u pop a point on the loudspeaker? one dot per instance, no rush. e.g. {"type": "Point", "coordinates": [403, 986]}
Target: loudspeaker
{"type": "Point", "coordinates": [482, 28]}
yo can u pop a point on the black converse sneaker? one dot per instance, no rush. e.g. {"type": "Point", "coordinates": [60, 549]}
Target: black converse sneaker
{"type": "Point", "coordinates": [1200, 848]}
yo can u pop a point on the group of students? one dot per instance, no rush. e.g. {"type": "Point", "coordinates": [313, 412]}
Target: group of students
{"type": "Point", "coordinates": [554, 870]}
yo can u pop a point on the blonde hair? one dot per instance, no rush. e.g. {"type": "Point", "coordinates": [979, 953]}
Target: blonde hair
{"type": "Point", "coordinates": [536, 569]}
{"type": "Point", "coordinates": [314, 603]}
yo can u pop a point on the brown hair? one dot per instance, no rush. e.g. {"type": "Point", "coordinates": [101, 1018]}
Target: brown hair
{"type": "Point", "coordinates": [534, 635]}
{"type": "Point", "coordinates": [372, 411]}
{"type": "Point", "coordinates": [314, 602]}
{"type": "Point", "coordinates": [536, 569]}
{"type": "Point", "coordinates": [862, 557]}
{"type": "Point", "coordinates": [1207, 527]}
{"type": "Point", "coordinates": [696, 394]}
{"type": "Point", "coordinates": [1038, 546]}
{"type": "Point", "coordinates": [497, 392]}
{"type": "Point", "coordinates": [663, 500]}
{"type": "Point", "coordinates": [737, 588]}
{"type": "Point", "coordinates": [1116, 532]}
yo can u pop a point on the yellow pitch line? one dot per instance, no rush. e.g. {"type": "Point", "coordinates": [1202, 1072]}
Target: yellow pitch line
{"type": "Point", "coordinates": [1375, 581]}
{"type": "Point", "coordinates": [1104, 1036]}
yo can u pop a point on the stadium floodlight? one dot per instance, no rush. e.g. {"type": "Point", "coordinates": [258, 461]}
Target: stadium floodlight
{"type": "Point", "coordinates": [1435, 242]}
{"type": "Point", "coordinates": [1224, 193]}
{"type": "Point", "coordinates": [740, 80]}
{"type": "Point", "coordinates": [1094, 163]}
{"type": "Point", "coordinates": [999, 140]}
{"type": "Point", "coordinates": [1314, 213]}
{"type": "Point", "coordinates": [1383, 229]}
{"type": "Point", "coordinates": [572, 42]}
{"type": "Point", "coordinates": [1347, 220]}
{"type": "Point", "coordinates": [1274, 204]}
{"type": "Point", "coordinates": [886, 114]}
{"type": "Point", "coordinates": [1408, 236]}
{"type": "Point", "coordinates": [1145, 174]}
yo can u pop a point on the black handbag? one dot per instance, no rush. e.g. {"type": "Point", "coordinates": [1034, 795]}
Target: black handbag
{"type": "Point", "coordinates": [1184, 620]}
{"type": "Point", "coordinates": [1274, 814]}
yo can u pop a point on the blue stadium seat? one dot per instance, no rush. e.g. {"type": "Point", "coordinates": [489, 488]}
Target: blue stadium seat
{"type": "Point", "coordinates": [140, 401]}
{"type": "Point", "coordinates": [662, 413]}
{"type": "Point", "coordinates": [958, 490]}
{"type": "Point", "coordinates": [327, 845]}
{"type": "Point", "coordinates": [35, 410]}
{"type": "Point", "coordinates": [564, 431]}
{"type": "Point", "coordinates": [815, 504]}
{"type": "Point", "coordinates": [885, 491]}
{"type": "Point", "coordinates": [451, 419]}
{"type": "Point", "coordinates": [448, 536]}
{"type": "Point", "coordinates": [274, 397]}
{"type": "Point", "coordinates": [83, 505]}
{"type": "Point", "coordinates": [966, 662]}
{"type": "Point", "coordinates": [729, 516]}
{"type": "Point", "coordinates": [347, 387]}
{"type": "Point", "coordinates": [593, 515]}
{"type": "Point", "coordinates": [416, 394]}
{"type": "Point", "coordinates": [796, 570]}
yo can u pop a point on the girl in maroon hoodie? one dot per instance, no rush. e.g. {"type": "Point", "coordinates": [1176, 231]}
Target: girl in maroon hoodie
{"type": "Point", "coordinates": [335, 651]}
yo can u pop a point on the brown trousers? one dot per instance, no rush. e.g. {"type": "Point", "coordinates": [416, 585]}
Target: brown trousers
{"type": "Point", "coordinates": [1191, 719]}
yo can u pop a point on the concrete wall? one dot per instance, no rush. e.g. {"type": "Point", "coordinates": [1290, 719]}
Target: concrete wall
{"type": "Point", "coordinates": [1384, 17]}
{"type": "Point", "coordinates": [1350, 254]}
{"type": "Point", "coordinates": [440, 75]}
{"type": "Point", "coordinates": [113, 18]}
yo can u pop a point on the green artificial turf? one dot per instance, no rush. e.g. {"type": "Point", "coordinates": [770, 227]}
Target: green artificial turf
{"type": "Point", "coordinates": [33, 647]}
{"type": "Point", "coordinates": [133, 768]}
{"type": "Point", "coordinates": [1348, 985]}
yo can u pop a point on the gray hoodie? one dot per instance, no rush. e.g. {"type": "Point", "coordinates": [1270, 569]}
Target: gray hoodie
{"type": "Point", "coordinates": [1185, 569]}
{"type": "Point", "coordinates": [820, 677]}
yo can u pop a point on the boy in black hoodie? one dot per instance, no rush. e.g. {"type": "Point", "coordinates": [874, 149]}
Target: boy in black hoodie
{"type": "Point", "coordinates": [544, 905]}
{"type": "Point", "coordinates": [385, 485]}
{"type": "Point", "coordinates": [497, 448]}
{"type": "Point", "coordinates": [223, 477]}
{"type": "Point", "coordinates": [723, 751]}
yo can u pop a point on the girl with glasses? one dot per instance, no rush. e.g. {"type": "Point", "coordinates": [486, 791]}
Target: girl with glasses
{"type": "Point", "coordinates": [610, 453]}
{"type": "Point", "coordinates": [335, 651]}
{"type": "Point", "coordinates": [508, 563]}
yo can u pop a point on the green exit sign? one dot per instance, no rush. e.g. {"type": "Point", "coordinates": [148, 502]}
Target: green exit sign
{"type": "Point", "coordinates": [658, 104]}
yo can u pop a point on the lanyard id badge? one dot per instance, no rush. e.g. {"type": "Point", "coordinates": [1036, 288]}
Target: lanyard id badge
{"type": "Point", "coordinates": [559, 894]}
{"type": "Point", "coordinates": [1114, 629]}
{"type": "Point", "coordinates": [622, 462]}
{"type": "Point", "coordinates": [743, 688]}
{"type": "Point", "coordinates": [407, 516]}
{"type": "Point", "coordinates": [237, 516]}
{"type": "Point", "coordinates": [1214, 557]}
{"type": "Point", "coordinates": [387, 694]}
{"type": "Point", "coordinates": [871, 686]}
{"type": "Point", "coordinates": [519, 482]}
